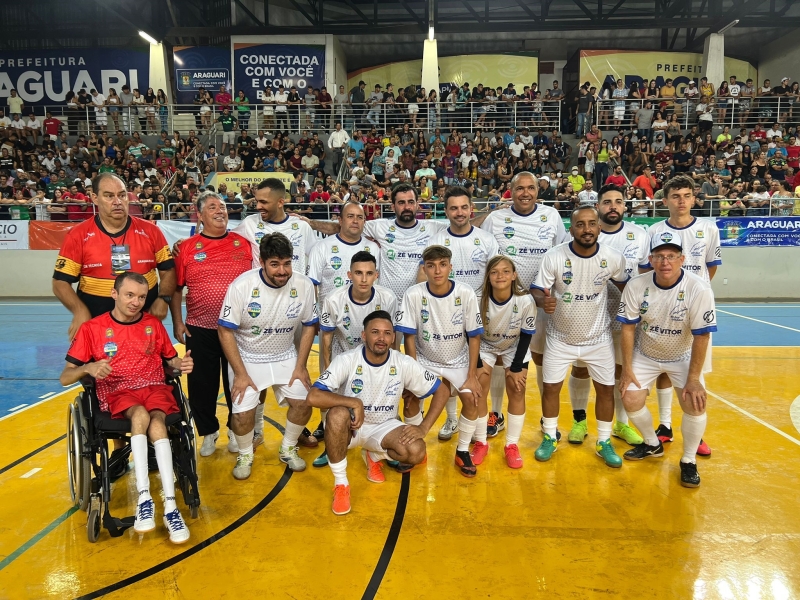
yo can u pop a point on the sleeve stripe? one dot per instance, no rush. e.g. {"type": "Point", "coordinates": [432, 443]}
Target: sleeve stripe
{"type": "Point", "coordinates": [528, 331]}
{"type": "Point", "coordinates": [702, 330]}
{"type": "Point", "coordinates": [320, 386]}
{"type": "Point", "coordinates": [314, 281]}
{"type": "Point", "coordinates": [59, 276]}
{"type": "Point", "coordinates": [475, 332]}
{"type": "Point", "coordinates": [227, 324]}
{"type": "Point", "coordinates": [536, 287]}
{"type": "Point", "coordinates": [435, 387]}
{"type": "Point", "coordinates": [67, 266]}
{"type": "Point", "coordinates": [622, 319]}
{"type": "Point", "coordinates": [715, 263]}
{"type": "Point", "coordinates": [75, 361]}
{"type": "Point", "coordinates": [402, 329]}
{"type": "Point", "coordinates": [165, 265]}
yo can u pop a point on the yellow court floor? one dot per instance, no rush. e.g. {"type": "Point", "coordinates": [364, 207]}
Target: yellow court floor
{"type": "Point", "coordinates": [570, 528]}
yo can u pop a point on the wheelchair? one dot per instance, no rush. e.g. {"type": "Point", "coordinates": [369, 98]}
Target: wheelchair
{"type": "Point", "coordinates": [88, 463]}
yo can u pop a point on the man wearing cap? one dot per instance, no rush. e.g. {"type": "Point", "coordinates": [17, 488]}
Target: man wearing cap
{"type": "Point", "coordinates": [576, 179]}
{"type": "Point", "coordinates": [667, 317]}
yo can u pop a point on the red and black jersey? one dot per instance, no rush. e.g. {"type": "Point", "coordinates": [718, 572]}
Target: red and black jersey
{"type": "Point", "coordinates": [93, 257]}
{"type": "Point", "coordinates": [136, 351]}
{"type": "Point", "coordinates": [207, 266]}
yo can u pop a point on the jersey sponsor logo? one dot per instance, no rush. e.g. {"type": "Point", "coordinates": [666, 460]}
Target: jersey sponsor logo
{"type": "Point", "coordinates": [390, 238]}
{"type": "Point", "coordinates": [325, 317]}
{"type": "Point", "coordinates": [88, 235]}
{"type": "Point", "coordinates": [425, 315]}
{"type": "Point", "coordinates": [430, 376]}
{"type": "Point", "coordinates": [398, 316]}
{"type": "Point", "coordinates": [110, 349]}
{"type": "Point", "coordinates": [336, 263]}
{"type": "Point", "coordinates": [643, 307]}
{"type": "Point", "coordinates": [658, 330]}
{"type": "Point", "coordinates": [717, 252]}
{"type": "Point", "coordinates": [621, 309]}
{"type": "Point", "coordinates": [255, 330]}
{"type": "Point", "coordinates": [338, 282]}
{"type": "Point", "coordinates": [508, 232]}
{"type": "Point", "coordinates": [678, 313]}
{"type": "Point", "coordinates": [148, 330]}
{"type": "Point", "coordinates": [566, 277]}
{"type": "Point", "coordinates": [567, 297]}
{"type": "Point", "coordinates": [391, 390]}
{"type": "Point", "coordinates": [426, 335]}
{"type": "Point", "coordinates": [258, 236]}
{"type": "Point", "coordinates": [254, 309]}
{"type": "Point", "coordinates": [335, 249]}
{"type": "Point", "coordinates": [226, 312]}
{"type": "Point", "coordinates": [61, 263]}
{"type": "Point", "coordinates": [255, 293]}
{"type": "Point", "coordinates": [546, 233]}
{"type": "Point", "coordinates": [357, 385]}
{"type": "Point", "coordinates": [200, 256]}
{"type": "Point", "coordinates": [390, 254]}
{"type": "Point", "coordinates": [346, 324]}
{"type": "Point", "coordinates": [421, 242]}
{"type": "Point", "coordinates": [530, 321]}
{"type": "Point", "coordinates": [511, 251]}
{"type": "Point", "coordinates": [109, 332]}
{"type": "Point", "coordinates": [198, 245]}
{"type": "Point", "coordinates": [236, 243]}
{"type": "Point", "coordinates": [708, 316]}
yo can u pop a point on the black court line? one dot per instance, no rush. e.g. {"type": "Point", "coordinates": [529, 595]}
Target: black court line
{"type": "Point", "coordinates": [277, 489]}
{"type": "Point", "coordinates": [30, 454]}
{"type": "Point", "coordinates": [391, 540]}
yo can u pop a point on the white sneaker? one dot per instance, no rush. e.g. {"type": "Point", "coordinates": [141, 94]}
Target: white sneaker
{"type": "Point", "coordinates": [233, 445]}
{"type": "Point", "coordinates": [258, 439]}
{"type": "Point", "coordinates": [291, 458]}
{"type": "Point", "coordinates": [448, 429]}
{"type": "Point", "coordinates": [209, 444]}
{"type": "Point", "coordinates": [243, 466]}
{"type": "Point", "coordinates": [145, 516]}
{"type": "Point", "coordinates": [178, 532]}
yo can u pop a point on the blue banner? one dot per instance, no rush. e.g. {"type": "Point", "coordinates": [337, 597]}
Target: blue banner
{"type": "Point", "coordinates": [258, 65]}
{"type": "Point", "coordinates": [200, 66]}
{"type": "Point", "coordinates": [759, 231]}
{"type": "Point", "coordinates": [45, 76]}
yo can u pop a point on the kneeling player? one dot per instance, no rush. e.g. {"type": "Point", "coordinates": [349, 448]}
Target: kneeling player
{"type": "Point", "coordinates": [361, 390]}
{"type": "Point", "coordinates": [667, 317]}
{"type": "Point", "coordinates": [442, 330]}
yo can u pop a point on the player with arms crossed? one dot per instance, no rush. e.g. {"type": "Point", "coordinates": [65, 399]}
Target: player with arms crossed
{"type": "Point", "coordinates": [472, 248]}
{"type": "Point", "coordinates": [667, 319]}
{"type": "Point", "coordinates": [259, 316]}
{"type": "Point", "coordinates": [702, 255]}
{"type": "Point", "coordinates": [361, 390]}
{"type": "Point", "coordinates": [508, 312]}
{"type": "Point", "coordinates": [442, 328]}
{"type": "Point", "coordinates": [571, 285]}
{"type": "Point", "coordinates": [125, 350]}
{"type": "Point", "coordinates": [632, 241]}
{"type": "Point", "coordinates": [344, 311]}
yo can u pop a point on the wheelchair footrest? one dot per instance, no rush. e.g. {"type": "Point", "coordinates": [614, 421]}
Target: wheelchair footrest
{"type": "Point", "coordinates": [116, 527]}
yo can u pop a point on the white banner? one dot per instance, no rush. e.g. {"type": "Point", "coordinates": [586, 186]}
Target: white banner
{"type": "Point", "coordinates": [14, 235]}
{"type": "Point", "coordinates": [176, 230]}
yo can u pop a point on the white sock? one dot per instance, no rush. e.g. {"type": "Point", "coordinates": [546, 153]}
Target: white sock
{"type": "Point", "coordinates": [693, 429]}
{"type": "Point", "coordinates": [451, 407]}
{"type": "Point", "coordinates": [378, 456]}
{"type": "Point", "coordinates": [619, 408]}
{"type": "Point", "coordinates": [290, 435]}
{"type": "Point", "coordinates": [665, 406]}
{"type": "Point", "coordinates": [323, 414]}
{"type": "Point", "coordinates": [415, 420]}
{"type": "Point", "coordinates": [245, 442]}
{"type": "Point", "coordinates": [139, 451]}
{"type": "Point", "coordinates": [540, 380]}
{"type": "Point", "coordinates": [465, 430]}
{"type": "Point", "coordinates": [497, 387]}
{"type": "Point", "coordinates": [550, 425]}
{"type": "Point", "coordinates": [480, 429]}
{"type": "Point", "coordinates": [579, 392]}
{"type": "Point", "coordinates": [259, 418]}
{"type": "Point", "coordinates": [164, 460]}
{"type": "Point", "coordinates": [339, 471]}
{"type": "Point", "coordinates": [644, 423]}
{"type": "Point", "coordinates": [603, 431]}
{"type": "Point", "coordinates": [514, 425]}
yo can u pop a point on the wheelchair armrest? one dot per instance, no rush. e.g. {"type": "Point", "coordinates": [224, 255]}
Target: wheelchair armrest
{"type": "Point", "coordinates": [171, 374]}
{"type": "Point", "coordinates": [88, 383]}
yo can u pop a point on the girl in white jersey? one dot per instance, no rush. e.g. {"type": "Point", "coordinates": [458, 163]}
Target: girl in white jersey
{"type": "Point", "coordinates": [509, 317]}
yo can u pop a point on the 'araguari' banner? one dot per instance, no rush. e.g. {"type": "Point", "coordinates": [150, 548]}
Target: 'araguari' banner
{"type": "Point", "coordinates": [200, 66]}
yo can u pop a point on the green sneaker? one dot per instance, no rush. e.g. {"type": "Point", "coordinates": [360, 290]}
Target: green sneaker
{"type": "Point", "coordinates": [321, 460]}
{"type": "Point", "coordinates": [606, 451]}
{"type": "Point", "coordinates": [578, 432]}
{"type": "Point", "coordinates": [546, 449]}
{"type": "Point", "coordinates": [625, 432]}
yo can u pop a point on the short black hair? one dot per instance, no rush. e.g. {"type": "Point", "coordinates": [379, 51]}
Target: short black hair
{"type": "Point", "coordinates": [123, 277]}
{"type": "Point", "coordinates": [273, 184]}
{"type": "Point", "coordinates": [609, 187]}
{"type": "Point", "coordinates": [579, 209]}
{"type": "Point", "coordinates": [363, 256]}
{"type": "Point", "coordinates": [404, 187]}
{"type": "Point", "coordinates": [377, 314]}
{"type": "Point", "coordinates": [275, 245]}
{"type": "Point", "coordinates": [456, 191]}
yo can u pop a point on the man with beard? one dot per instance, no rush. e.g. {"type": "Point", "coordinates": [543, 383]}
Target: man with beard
{"type": "Point", "coordinates": [571, 285]}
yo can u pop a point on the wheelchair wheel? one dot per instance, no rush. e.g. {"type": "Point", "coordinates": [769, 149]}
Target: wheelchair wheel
{"type": "Point", "coordinates": [93, 521]}
{"type": "Point", "coordinates": [79, 467]}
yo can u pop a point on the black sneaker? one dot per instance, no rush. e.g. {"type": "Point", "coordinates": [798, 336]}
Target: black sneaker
{"type": "Point", "coordinates": [319, 432]}
{"type": "Point", "coordinates": [116, 466]}
{"type": "Point", "coordinates": [464, 464]}
{"type": "Point", "coordinates": [541, 425]}
{"type": "Point", "coordinates": [689, 476]}
{"type": "Point", "coordinates": [642, 451]}
{"type": "Point", "coordinates": [501, 423]}
{"type": "Point", "coordinates": [491, 425]}
{"type": "Point", "coordinates": [664, 434]}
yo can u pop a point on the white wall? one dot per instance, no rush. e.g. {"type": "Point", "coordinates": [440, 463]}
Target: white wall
{"type": "Point", "coordinates": [338, 74]}
{"type": "Point", "coordinates": [779, 59]}
{"type": "Point", "coordinates": [751, 273]}
{"type": "Point", "coordinates": [159, 73]}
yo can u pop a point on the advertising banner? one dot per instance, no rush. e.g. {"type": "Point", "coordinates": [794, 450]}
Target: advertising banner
{"type": "Point", "coordinates": [45, 76]}
{"type": "Point", "coordinates": [14, 235]}
{"type": "Point", "coordinates": [48, 235]}
{"type": "Point", "coordinates": [200, 66]}
{"type": "Point", "coordinates": [598, 66]}
{"type": "Point", "coordinates": [258, 65]}
{"type": "Point", "coordinates": [759, 231]}
{"type": "Point", "coordinates": [234, 181]}
{"type": "Point", "coordinates": [179, 230]}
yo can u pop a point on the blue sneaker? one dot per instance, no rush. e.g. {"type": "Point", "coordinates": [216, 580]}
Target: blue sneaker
{"type": "Point", "coordinates": [546, 449]}
{"type": "Point", "coordinates": [606, 451]}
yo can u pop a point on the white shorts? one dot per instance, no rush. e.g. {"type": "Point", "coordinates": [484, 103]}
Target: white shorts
{"type": "Point", "coordinates": [538, 338]}
{"type": "Point", "coordinates": [275, 375]}
{"type": "Point", "coordinates": [228, 137]}
{"type": "Point", "coordinates": [646, 371]}
{"type": "Point", "coordinates": [558, 357]}
{"type": "Point", "coordinates": [268, 111]}
{"type": "Point", "coordinates": [456, 377]}
{"type": "Point", "coordinates": [506, 358]}
{"type": "Point", "coordinates": [370, 436]}
{"type": "Point", "coordinates": [413, 109]}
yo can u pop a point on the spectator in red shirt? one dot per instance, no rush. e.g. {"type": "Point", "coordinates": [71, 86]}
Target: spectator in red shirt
{"type": "Point", "coordinates": [320, 193]}
{"type": "Point", "coordinates": [758, 133]}
{"type": "Point", "coordinates": [223, 99]}
{"type": "Point", "coordinates": [79, 206]}
{"type": "Point", "coordinates": [52, 126]}
{"type": "Point", "coordinates": [616, 178]}
{"type": "Point", "coordinates": [646, 181]}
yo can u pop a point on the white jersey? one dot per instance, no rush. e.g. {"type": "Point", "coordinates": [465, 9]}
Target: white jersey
{"type": "Point", "coordinates": [668, 318]}
{"type": "Point", "coordinates": [345, 317]}
{"type": "Point", "coordinates": [700, 241]}
{"type": "Point", "coordinates": [401, 250]}
{"type": "Point", "coordinates": [504, 323]}
{"type": "Point", "coordinates": [265, 318]}
{"type": "Point", "coordinates": [471, 252]}
{"type": "Point", "coordinates": [379, 387]}
{"type": "Point", "coordinates": [634, 243]}
{"type": "Point", "coordinates": [525, 238]}
{"type": "Point", "coordinates": [441, 324]}
{"type": "Point", "coordinates": [329, 262]}
{"type": "Point", "coordinates": [303, 238]}
{"type": "Point", "coordinates": [580, 285]}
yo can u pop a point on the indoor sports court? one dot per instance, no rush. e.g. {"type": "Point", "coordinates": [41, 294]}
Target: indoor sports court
{"type": "Point", "coordinates": [569, 528]}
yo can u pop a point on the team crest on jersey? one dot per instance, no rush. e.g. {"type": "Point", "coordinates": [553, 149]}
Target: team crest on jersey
{"type": "Point", "coordinates": [508, 219]}
{"type": "Point", "coordinates": [543, 218]}
{"type": "Point", "coordinates": [567, 277]}
{"type": "Point", "coordinates": [254, 309]}
{"type": "Point", "coordinates": [646, 292]}
{"type": "Point", "coordinates": [148, 330]}
{"type": "Point", "coordinates": [390, 238]}
{"type": "Point", "coordinates": [293, 293]}
{"type": "Point", "coordinates": [258, 236]}
{"type": "Point", "coordinates": [477, 242]}
{"type": "Point", "coordinates": [335, 249]}
{"type": "Point", "coordinates": [255, 293]}
{"type": "Point", "coordinates": [377, 307]}
{"type": "Point", "coordinates": [603, 264]}
{"type": "Point", "coordinates": [336, 263]}
{"type": "Point", "coordinates": [426, 335]}
{"type": "Point", "coordinates": [110, 349]}
{"type": "Point", "coordinates": [699, 234]}
{"type": "Point", "coordinates": [630, 235]}
{"type": "Point", "coordinates": [568, 264]}
{"type": "Point", "coordinates": [109, 332]}
{"type": "Point", "coordinates": [681, 296]}
{"type": "Point", "coordinates": [390, 254]}
{"type": "Point", "coordinates": [447, 242]}
{"type": "Point", "coordinates": [347, 308]}
{"type": "Point", "coordinates": [422, 228]}
{"type": "Point", "coordinates": [392, 371]}
{"type": "Point", "coordinates": [425, 315]}
{"type": "Point", "coordinates": [346, 324]}
{"type": "Point", "coordinates": [643, 307]}
{"type": "Point", "coordinates": [392, 228]}
{"type": "Point", "coordinates": [508, 232]}
{"type": "Point", "coordinates": [359, 370]}
{"type": "Point", "coordinates": [200, 256]}
{"type": "Point", "coordinates": [424, 301]}
{"type": "Point", "coordinates": [198, 245]}
{"type": "Point", "coordinates": [357, 386]}
{"type": "Point", "coordinates": [338, 282]}
{"type": "Point", "coordinates": [516, 308]}
{"type": "Point", "coordinates": [236, 243]}
{"type": "Point", "coordinates": [260, 225]}
{"type": "Point", "coordinates": [458, 300]}
{"type": "Point", "coordinates": [567, 297]}
{"type": "Point", "coordinates": [295, 226]}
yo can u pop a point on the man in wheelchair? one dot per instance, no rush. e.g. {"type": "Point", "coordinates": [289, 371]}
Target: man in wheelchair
{"type": "Point", "coordinates": [125, 351]}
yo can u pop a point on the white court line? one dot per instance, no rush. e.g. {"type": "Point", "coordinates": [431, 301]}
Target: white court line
{"type": "Point", "coordinates": [794, 413]}
{"type": "Point", "coordinates": [30, 406]}
{"type": "Point", "coordinates": [757, 320]}
{"type": "Point", "coordinates": [755, 418]}
{"type": "Point", "coordinates": [30, 473]}
{"type": "Point", "coordinates": [47, 395]}
{"type": "Point", "coordinates": [17, 407]}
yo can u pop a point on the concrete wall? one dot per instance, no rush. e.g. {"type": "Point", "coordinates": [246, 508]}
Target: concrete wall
{"type": "Point", "coordinates": [751, 273]}
{"type": "Point", "coordinates": [779, 59]}
{"type": "Point", "coordinates": [160, 76]}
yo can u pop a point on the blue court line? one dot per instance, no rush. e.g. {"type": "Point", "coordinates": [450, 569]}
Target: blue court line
{"type": "Point", "coordinates": [36, 538]}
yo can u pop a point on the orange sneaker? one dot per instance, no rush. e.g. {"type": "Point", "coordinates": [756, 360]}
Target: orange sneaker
{"type": "Point", "coordinates": [374, 468]}
{"type": "Point", "coordinates": [341, 500]}
{"type": "Point", "coordinates": [513, 458]}
{"type": "Point", "coordinates": [479, 452]}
